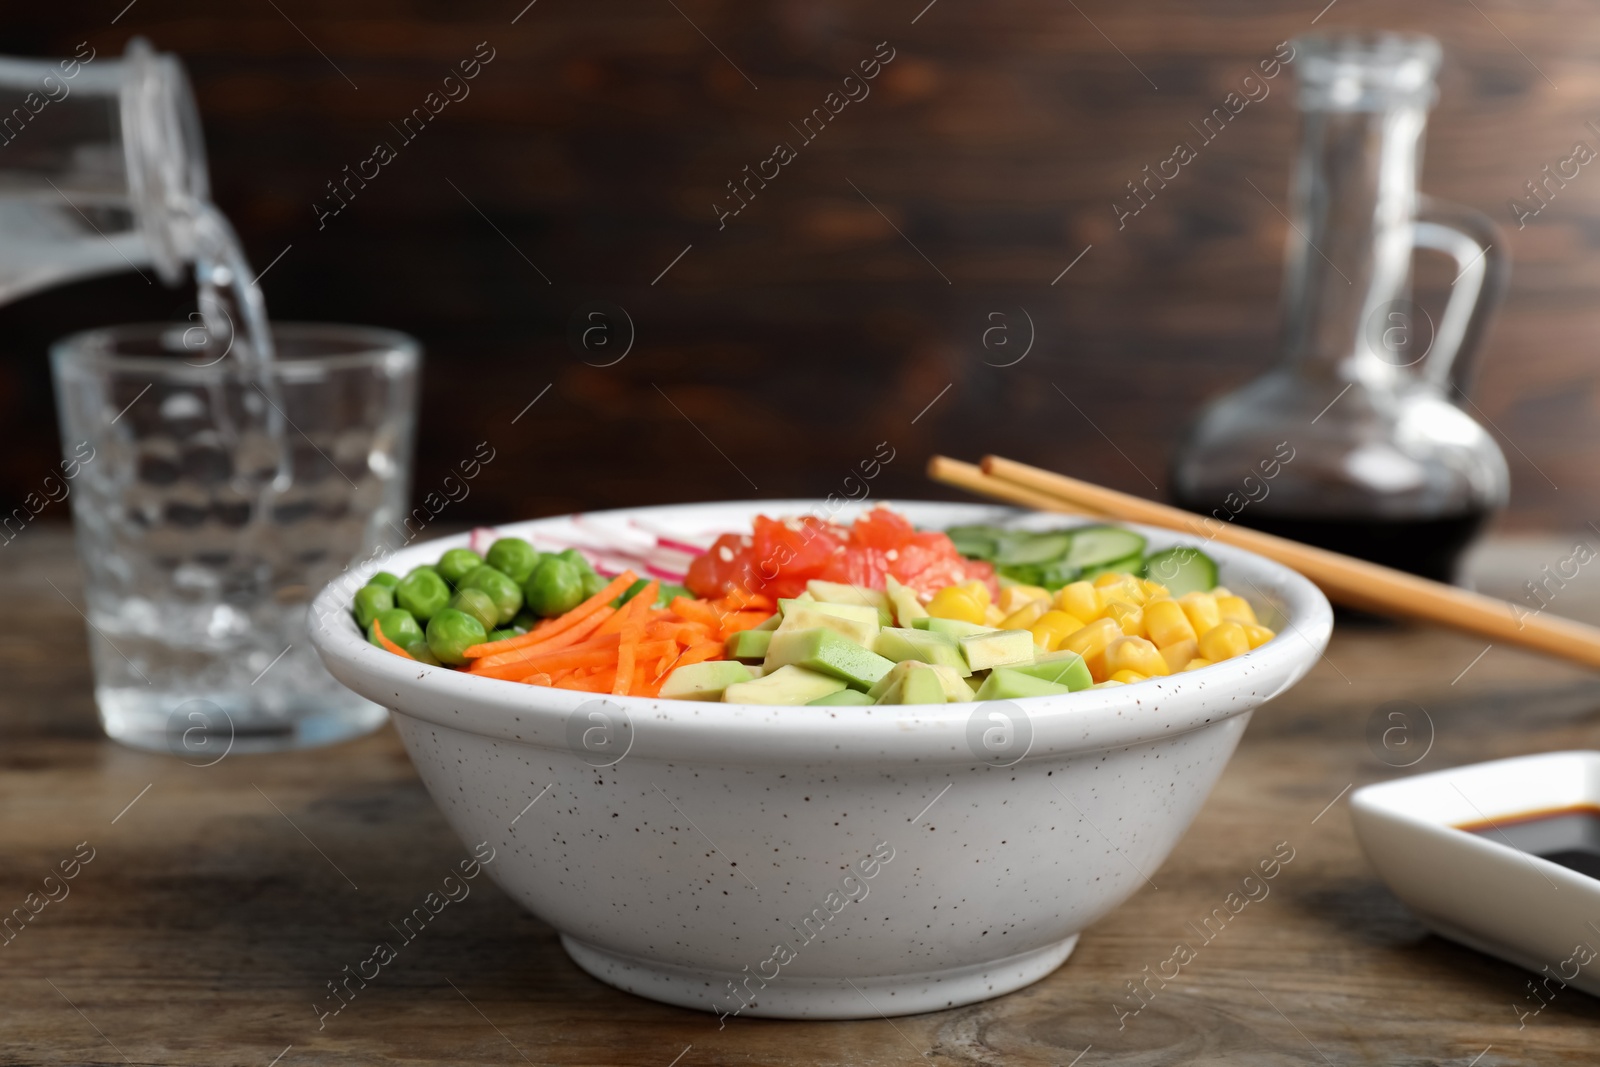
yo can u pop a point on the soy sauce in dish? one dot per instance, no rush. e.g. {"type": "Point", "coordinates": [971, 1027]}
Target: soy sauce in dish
{"type": "Point", "coordinates": [1568, 836]}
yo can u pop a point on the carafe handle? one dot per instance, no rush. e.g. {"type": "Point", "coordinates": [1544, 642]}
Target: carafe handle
{"type": "Point", "coordinates": [1474, 242]}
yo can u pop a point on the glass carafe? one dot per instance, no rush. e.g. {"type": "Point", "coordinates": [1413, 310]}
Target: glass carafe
{"type": "Point", "coordinates": [102, 168]}
{"type": "Point", "coordinates": [1354, 441]}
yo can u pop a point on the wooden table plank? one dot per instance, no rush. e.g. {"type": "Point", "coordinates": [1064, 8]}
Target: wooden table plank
{"type": "Point", "coordinates": [207, 922]}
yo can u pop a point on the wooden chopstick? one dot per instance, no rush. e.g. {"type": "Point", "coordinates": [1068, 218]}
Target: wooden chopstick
{"type": "Point", "coordinates": [1345, 580]}
{"type": "Point", "coordinates": [971, 477]}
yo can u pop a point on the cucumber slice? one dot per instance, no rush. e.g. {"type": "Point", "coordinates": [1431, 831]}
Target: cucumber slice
{"type": "Point", "coordinates": [1126, 565]}
{"type": "Point", "coordinates": [974, 547]}
{"type": "Point", "coordinates": [1182, 570]}
{"type": "Point", "coordinates": [1033, 548]}
{"type": "Point", "coordinates": [976, 541]}
{"type": "Point", "coordinates": [1096, 546]}
{"type": "Point", "coordinates": [1021, 573]}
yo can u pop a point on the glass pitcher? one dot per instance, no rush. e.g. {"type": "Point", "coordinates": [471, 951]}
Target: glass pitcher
{"type": "Point", "coordinates": [102, 168]}
{"type": "Point", "coordinates": [1353, 442]}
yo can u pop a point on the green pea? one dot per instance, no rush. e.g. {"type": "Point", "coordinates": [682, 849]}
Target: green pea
{"type": "Point", "coordinates": [592, 584]}
{"type": "Point", "coordinates": [505, 635]}
{"type": "Point", "coordinates": [457, 563]}
{"type": "Point", "coordinates": [478, 604]}
{"type": "Point", "coordinates": [384, 578]}
{"type": "Point", "coordinates": [419, 651]}
{"type": "Point", "coordinates": [555, 587]}
{"type": "Point", "coordinates": [422, 567]}
{"type": "Point", "coordinates": [573, 556]}
{"type": "Point", "coordinates": [370, 600]}
{"type": "Point", "coordinates": [451, 632]}
{"type": "Point", "coordinates": [423, 592]}
{"type": "Point", "coordinates": [513, 557]}
{"type": "Point", "coordinates": [505, 593]}
{"type": "Point", "coordinates": [525, 620]}
{"type": "Point", "coordinates": [398, 625]}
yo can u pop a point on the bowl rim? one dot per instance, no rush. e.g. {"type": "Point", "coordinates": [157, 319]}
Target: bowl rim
{"type": "Point", "coordinates": [1088, 720]}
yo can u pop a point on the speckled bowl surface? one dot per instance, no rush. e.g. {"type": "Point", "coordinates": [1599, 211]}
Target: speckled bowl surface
{"type": "Point", "coordinates": [822, 863]}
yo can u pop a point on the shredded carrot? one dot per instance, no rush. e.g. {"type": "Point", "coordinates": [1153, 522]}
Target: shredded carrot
{"type": "Point", "coordinates": [699, 653]}
{"type": "Point", "coordinates": [594, 653]}
{"type": "Point", "coordinates": [602, 682]}
{"type": "Point", "coordinates": [734, 622]}
{"type": "Point", "coordinates": [575, 635]}
{"type": "Point", "coordinates": [696, 611]}
{"type": "Point", "coordinates": [561, 623]}
{"type": "Point", "coordinates": [741, 599]}
{"type": "Point", "coordinates": [635, 612]}
{"type": "Point", "coordinates": [388, 645]}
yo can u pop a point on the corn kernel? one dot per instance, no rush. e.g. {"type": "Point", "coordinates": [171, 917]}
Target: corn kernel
{"type": "Point", "coordinates": [1134, 654]}
{"type": "Point", "coordinates": [1179, 653]}
{"type": "Point", "coordinates": [1025, 616]}
{"type": "Point", "coordinates": [1236, 608]}
{"type": "Point", "coordinates": [993, 616]}
{"type": "Point", "coordinates": [1222, 590]}
{"type": "Point", "coordinates": [1013, 597]}
{"type": "Point", "coordinates": [1224, 641]}
{"type": "Point", "coordinates": [1107, 684]}
{"type": "Point", "coordinates": [954, 602]}
{"type": "Point", "coordinates": [1153, 589]}
{"type": "Point", "coordinates": [979, 591]}
{"type": "Point", "coordinates": [1115, 586]}
{"type": "Point", "coordinates": [1127, 677]}
{"type": "Point", "coordinates": [1090, 642]}
{"type": "Point", "coordinates": [1079, 600]}
{"type": "Point", "coordinates": [1052, 627]}
{"type": "Point", "coordinates": [1257, 635]}
{"type": "Point", "coordinates": [1201, 608]}
{"type": "Point", "coordinates": [1130, 618]}
{"type": "Point", "coordinates": [1196, 663]}
{"type": "Point", "coordinates": [1166, 624]}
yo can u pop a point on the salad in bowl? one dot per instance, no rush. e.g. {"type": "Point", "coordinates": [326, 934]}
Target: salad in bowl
{"type": "Point", "coordinates": [785, 759]}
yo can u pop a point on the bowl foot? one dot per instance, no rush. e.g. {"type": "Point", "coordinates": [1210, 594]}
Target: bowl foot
{"type": "Point", "coordinates": [821, 998]}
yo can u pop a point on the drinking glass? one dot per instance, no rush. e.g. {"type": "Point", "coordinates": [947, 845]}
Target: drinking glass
{"type": "Point", "coordinates": [211, 500]}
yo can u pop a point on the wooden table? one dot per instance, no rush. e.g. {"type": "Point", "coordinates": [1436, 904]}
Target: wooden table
{"type": "Point", "coordinates": [220, 900]}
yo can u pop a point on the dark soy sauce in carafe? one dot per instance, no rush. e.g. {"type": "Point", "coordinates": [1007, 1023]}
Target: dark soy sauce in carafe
{"type": "Point", "coordinates": [1567, 836]}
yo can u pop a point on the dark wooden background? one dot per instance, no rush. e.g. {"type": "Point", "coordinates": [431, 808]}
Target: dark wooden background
{"type": "Point", "coordinates": [809, 330]}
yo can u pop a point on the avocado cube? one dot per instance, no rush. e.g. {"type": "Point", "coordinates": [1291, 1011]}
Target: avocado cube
{"type": "Point", "coordinates": [922, 686]}
{"type": "Point", "coordinates": [843, 698]}
{"type": "Point", "coordinates": [772, 623]}
{"type": "Point", "coordinates": [924, 646]}
{"type": "Point", "coordinates": [892, 694]}
{"type": "Point", "coordinates": [956, 627]}
{"type": "Point", "coordinates": [786, 685]}
{"type": "Point", "coordinates": [997, 648]}
{"type": "Point", "coordinates": [955, 686]}
{"type": "Point", "coordinates": [919, 623]}
{"type": "Point", "coordinates": [1064, 668]}
{"type": "Point", "coordinates": [704, 681]}
{"type": "Point", "coordinates": [749, 644]}
{"type": "Point", "coordinates": [895, 677]}
{"type": "Point", "coordinates": [827, 652]}
{"type": "Point", "coordinates": [907, 608]}
{"type": "Point", "coordinates": [858, 623]}
{"type": "Point", "coordinates": [841, 593]}
{"type": "Point", "coordinates": [1006, 684]}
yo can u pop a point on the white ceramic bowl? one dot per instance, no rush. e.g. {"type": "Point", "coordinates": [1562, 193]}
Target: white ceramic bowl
{"type": "Point", "coordinates": [823, 863]}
